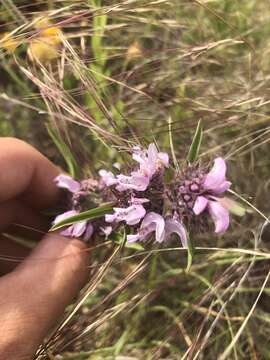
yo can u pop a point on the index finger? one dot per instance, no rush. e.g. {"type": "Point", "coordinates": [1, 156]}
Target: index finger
{"type": "Point", "coordinates": [26, 173]}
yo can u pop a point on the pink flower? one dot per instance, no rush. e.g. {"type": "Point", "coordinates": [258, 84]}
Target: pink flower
{"type": "Point", "coordinates": [66, 182]}
{"type": "Point", "coordinates": [107, 178]}
{"type": "Point", "coordinates": [213, 185]}
{"type": "Point", "coordinates": [75, 230]}
{"type": "Point", "coordinates": [132, 215]}
{"type": "Point", "coordinates": [150, 161]}
{"type": "Point", "coordinates": [215, 181]}
{"type": "Point", "coordinates": [154, 222]}
{"type": "Point", "coordinates": [135, 182]}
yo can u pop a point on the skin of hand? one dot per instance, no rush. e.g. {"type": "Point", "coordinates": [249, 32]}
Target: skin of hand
{"type": "Point", "coordinates": [35, 290]}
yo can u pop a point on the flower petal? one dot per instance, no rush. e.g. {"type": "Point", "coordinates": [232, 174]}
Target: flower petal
{"type": "Point", "coordinates": [135, 214]}
{"type": "Point", "coordinates": [78, 228]}
{"type": "Point", "coordinates": [215, 180]}
{"type": "Point", "coordinates": [174, 226]}
{"type": "Point", "coordinates": [131, 215]}
{"type": "Point", "coordinates": [136, 182]}
{"type": "Point", "coordinates": [200, 205]}
{"type": "Point", "coordinates": [107, 178]}
{"type": "Point", "coordinates": [66, 182]}
{"type": "Point", "coordinates": [220, 216]}
{"type": "Point", "coordinates": [88, 232]}
{"type": "Point", "coordinates": [156, 220]}
{"type": "Point", "coordinates": [163, 159]}
{"type": "Point", "coordinates": [223, 187]}
{"type": "Point", "coordinates": [64, 216]}
{"type": "Point", "coordinates": [133, 238]}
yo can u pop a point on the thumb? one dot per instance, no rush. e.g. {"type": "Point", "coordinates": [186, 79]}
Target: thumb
{"type": "Point", "coordinates": [34, 295]}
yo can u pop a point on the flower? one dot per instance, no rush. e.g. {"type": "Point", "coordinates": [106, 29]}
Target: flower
{"type": "Point", "coordinates": [67, 182]}
{"type": "Point", "coordinates": [107, 178]}
{"type": "Point", "coordinates": [150, 161]}
{"type": "Point", "coordinates": [8, 42]}
{"type": "Point", "coordinates": [163, 228]}
{"type": "Point", "coordinates": [135, 182]}
{"type": "Point", "coordinates": [214, 184]}
{"type": "Point", "coordinates": [75, 230]}
{"type": "Point", "coordinates": [44, 48]}
{"type": "Point", "coordinates": [132, 215]}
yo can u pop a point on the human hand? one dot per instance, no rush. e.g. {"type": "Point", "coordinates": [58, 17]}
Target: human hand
{"type": "Point", "coordinates": [34, 293]}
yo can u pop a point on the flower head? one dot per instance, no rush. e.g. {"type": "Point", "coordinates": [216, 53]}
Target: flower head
{"type": "Point", "coordinates": [44, 47]}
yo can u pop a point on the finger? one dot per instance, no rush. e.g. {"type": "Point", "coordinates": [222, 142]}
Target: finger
{"type": "Point", "coordinates": [26, 172]}
{"type": "Point", "coordinates": [36, 293]}
{"type": "Point", "coordinates": [11, 254]}
{"type": "Point", "coordinates": [16, 212]}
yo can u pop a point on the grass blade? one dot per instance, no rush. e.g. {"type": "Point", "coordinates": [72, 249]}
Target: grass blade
{"type": "Point", "coordinates": [85, 215]}
{"type": "Point", "coordinates": [196, 143]}
{"type": "Point", "coordinates": [64, 150]}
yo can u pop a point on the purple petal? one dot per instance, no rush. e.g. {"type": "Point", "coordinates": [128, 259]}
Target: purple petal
{"type": "Point", "coordinates": [133, 238]}
{"type": "Point", "coordinates": [200, 205]}
{"type": "Point", "coordinates": [215, 180]}
{"type": "Point", "coordinates": [138, 201]}
{"type": "Point", "coordinates": [151, 222]}
{"type": "Point", "coordinates": [163, 159]}
{"type": "Point", "coordinates": [220, 216]}
{"type": "Point", "coordinates": [174, 226]}
{"type": "Point", "coordinates": [64, 216]}
{"type": "Point", "coordinates": [74, 230]}
{"type": "Point", "coordinates": [78, 228]}
{"type": "Point", "coordinates": [134, 182]}
{"type": "Point", "coordinates": [158, 222]}
{"type": "Point", "coordinates": [107, 178]}
{"type": "Point", "coordinates": [88, 232]}
{"type": "Point", "coordinates": [139, 155]}
{"type": "Point", "coordinates": [136, 213]}
{"type": "Point", "coordinates": [66, 182]}
{"type": "Point", "coordinates": [131, 215]}
{"type": "Point", "coordinates": [67, 232]}
{"type": "Point", "coordinates": [223, 187]}
{"type": "Point", "coordinates": [110, 218]}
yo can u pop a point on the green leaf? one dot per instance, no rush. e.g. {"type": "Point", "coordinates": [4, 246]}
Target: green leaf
{"type": "Point", "coordinates": [64, 150]}
{"type": "Point", "coordinates": [190, 250]}
{"type": "Point", "coordinates": [85, 215]}
{"type": "Point", "coordinates": [196, 143]}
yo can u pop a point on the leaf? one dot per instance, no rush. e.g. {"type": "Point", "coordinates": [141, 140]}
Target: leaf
{"type": "Point", "coordinates": [64, 150]}
{"type": "Point", "coordinates": [85, 215]}
{"type": "Point", "coordinates": [196, 143]}
{"type": "Point", "coordinates": [190, 250]}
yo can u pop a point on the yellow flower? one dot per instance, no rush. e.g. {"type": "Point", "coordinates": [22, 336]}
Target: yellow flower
{"type": "Point", "coordinates": [134, 51]}
{"type": "Point", "coordinates": [8, 42]}
{"type": "Point", "coordinates": [45, 47]}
